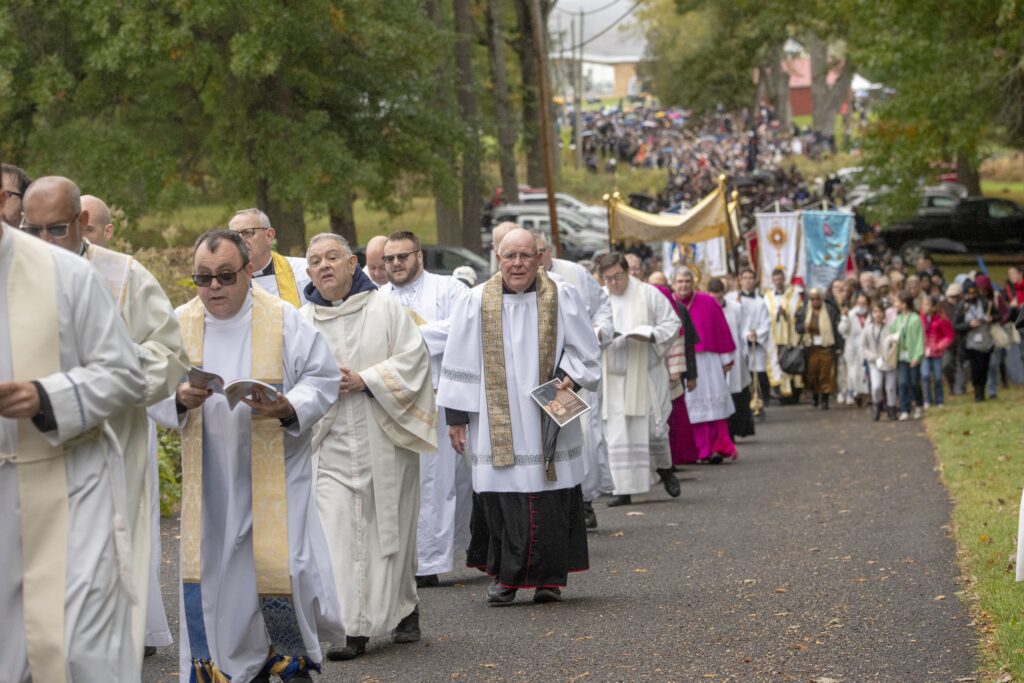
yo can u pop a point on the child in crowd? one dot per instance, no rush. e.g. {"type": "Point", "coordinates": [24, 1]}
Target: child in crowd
{"type": "Point", "coordinates": [878, 349]}
{"type": "Point", "coordinates": [910, 353]}
{"type": "Point", "coordinates": [938, 336]}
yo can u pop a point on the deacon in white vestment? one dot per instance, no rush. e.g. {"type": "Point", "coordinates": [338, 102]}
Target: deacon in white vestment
{"type": "Point", "coordinates": [282, 276]}
{"type": "Point", "coordinates": [515, 331]}
{"type": "Point", "coordinates": [740, 378]}
{"type": "Point", "coordinates": [446, 485]}
{"type": "Point", "coordinates": [636, 403]}
{"type": "Point", "coordinates": [150, 318]}
{"type": "Point", "coordinates": [366, 474]}
{"type": "Point", "coordinates": [251, 604]}
{"type": "Point", "coordinates": [783, 302]}
{"type": "Point", "coordinates": [67, 364]}
{"type": "Point", "coordinates": [597, 473]}
{"type": "Point", "coordinates": [756, 335]}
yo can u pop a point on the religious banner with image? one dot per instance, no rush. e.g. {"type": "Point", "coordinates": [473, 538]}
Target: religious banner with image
{"type": "Point", "coordinates": [827, 242]}
{"type": "Point", "coordinates": [778, 245]}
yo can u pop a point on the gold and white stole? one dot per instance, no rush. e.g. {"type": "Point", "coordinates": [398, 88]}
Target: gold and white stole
{"type": "Point", "coordinates": [287, 288]}
{"type": "Point", "coordinates": [114, 267]}
{"type": "Point", "coordinates": [34, 326]}
{"type": "Point", "coordinates": [269, 494]}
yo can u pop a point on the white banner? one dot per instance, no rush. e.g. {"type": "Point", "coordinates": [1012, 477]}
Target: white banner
{"type": "Point", "coordinates": [779, 244]}
{"type": "Point", "coordinates": [712, 257]}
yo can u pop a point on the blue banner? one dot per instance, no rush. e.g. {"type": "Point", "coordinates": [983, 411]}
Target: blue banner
{"type": "Point", "coordinates": [827, 245]}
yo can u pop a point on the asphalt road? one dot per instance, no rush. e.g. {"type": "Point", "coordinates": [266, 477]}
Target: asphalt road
{"type": "Point", "coordinates": [822, 554]}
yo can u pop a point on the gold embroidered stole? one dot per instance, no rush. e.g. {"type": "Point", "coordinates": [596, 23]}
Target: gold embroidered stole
{"type": "Point", "coordinates": [499, 417]}
{"type": "Point", "coordinates": [269, 499]}
{"type": "Point", "coordinates": [287, 288]}
{"type": "Point", "coordinates": [34, 328]}
{"type": "Point", "coordinates": [115, 268]}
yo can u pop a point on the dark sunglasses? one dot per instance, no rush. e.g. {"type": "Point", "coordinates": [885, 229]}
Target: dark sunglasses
{"type": "Point", "coordinates": [57, 230]}
{"type": "Point", "coordinates": [399, 257]}
{"type": "Point", "coordinates": [206, 279]}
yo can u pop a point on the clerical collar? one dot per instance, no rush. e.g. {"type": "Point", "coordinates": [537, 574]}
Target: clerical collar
{"type": "Point", "coordinates": [84, 248]}
{"type": "Point", "coordinates": [267, 270]}
{"type": "Point", "coordinates": [508, 290]}
{"type": "Point", "coordinates": [749, 295]}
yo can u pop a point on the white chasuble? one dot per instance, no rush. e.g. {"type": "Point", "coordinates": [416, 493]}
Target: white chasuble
{"type": "Point", "coordinates": [65, 577]}
{"type": "Point", "coordinates": [462, 387]}
{"type": "Point", "coordinates": [636, 385]}
{"type": "Point", "coordinates": [367, 463]}
{"type": "Point", "coordinates": [446, 485]}
{"type": "Point", "coordinates": [235, 630]}
{"type": "Point", "coordinates": [153, 327]}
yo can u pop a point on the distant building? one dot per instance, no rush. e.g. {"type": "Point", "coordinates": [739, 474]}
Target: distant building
{"type": "Point", "coordinates": [800, 99]}
{"type": "Point", "coordinates": [603, 76]}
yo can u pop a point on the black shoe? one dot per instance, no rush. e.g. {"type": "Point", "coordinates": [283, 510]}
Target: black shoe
{"type": "Point", "coordinates": [499, 595]}
{"type": "Point", "coordinates": [262, 678]}
{"type": "Point", "coordinates": [814, 400]}
{"type": "Point", "coordinates": [304, 676]}
{"type": "Point", "coordinates": [589, 516]}
{"type": "Point", "coordinates": [428, 581]}
{"type": "Point", "coordinates": [761, 416]}
{"type": "Point", "coordinates": [408, 629]}
{"type": "Point", "coordinates": [149, 651]}
{"type": "Point", "coordinates": [543, 595]}
{"type": "Point", "coordinates": [892, 414]}
{"type": "Point", "coordinates": [616, 501]}
{"type": "Point", "coordinates": [824, 401]}
{"type": "Point", "coordinates": [716, 459]}
{"type": "Point", "coordinates": [670, 482]}
{"type": "Point", "coordinates": [354, 647]}
{"type": "Point", "coordinates": [877, 412]}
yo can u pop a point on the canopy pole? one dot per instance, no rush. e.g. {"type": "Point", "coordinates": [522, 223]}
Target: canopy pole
{"type": "Point", "coordinates": [545, 123]}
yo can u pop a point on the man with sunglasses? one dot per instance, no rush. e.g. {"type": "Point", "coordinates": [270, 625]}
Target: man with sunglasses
{"type": "Point", "coordinates": [282, 276]}
{"type": "Point", "coordinates": [446, 488]}
{"type": "Point", "coordinates": [256, 585]}
{"type": "Point", "coordinates": [15, 184]}
{"type": "Point", "coordinates": [67, 365]}
{"type": "Point", "coordinates": [56, 214]}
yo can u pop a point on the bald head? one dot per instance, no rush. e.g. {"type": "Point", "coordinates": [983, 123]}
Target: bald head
{"type": "Point", "coordinates": [375, 259]}
{"type": "Point", "coordinates": [501, 230]}
{"type": "Point", "coordinates": [100, 227]}
{"type": "Point", "coordinates": [54, 202]}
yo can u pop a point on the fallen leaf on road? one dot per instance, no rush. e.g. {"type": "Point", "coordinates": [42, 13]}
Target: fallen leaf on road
{"type": "Point", "coordinates": [749, 580]}
{"type": "Point", "coordinates": [489, 666]}
{"type": "Point", "coordinates": [781, 589]}
{"type": "Point", "coordinates": [640, 570]}
{"type": "Point", "coordinates": [617, 534]}
{"type": "Point", "coordinates": [673, 524]}
{"type": "Point", "coordinates": [582, 638]}
{"type": "Point", "coordinates": [842, 451]}
{"type": "Point", "coordinates": [825, 679]}
{"type": "Point", "coordinates": [940, 597]}
{"type": "Point", "coordinates": [635, 514]}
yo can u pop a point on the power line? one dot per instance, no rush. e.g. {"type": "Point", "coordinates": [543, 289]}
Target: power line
{"type": "Point", "coordinates": [607, 28]}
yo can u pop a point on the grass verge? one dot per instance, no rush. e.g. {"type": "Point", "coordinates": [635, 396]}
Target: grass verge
{"type": "Point", "coordinates": [978, 448]}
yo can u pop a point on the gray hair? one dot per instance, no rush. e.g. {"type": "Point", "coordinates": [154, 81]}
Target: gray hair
{"type": "Point", "coordinates": [213, 238]}
{"type": "Point", "coordinates": [320, 237]}
{"type": "Point", "coordinates": [683, 271]}
{"type": "Point", "coordinates": [264, 218]}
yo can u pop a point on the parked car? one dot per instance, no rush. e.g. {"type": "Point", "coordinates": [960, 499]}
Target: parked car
{"type": "Point", "coordinates": [443, 260]}
{"type": "Point", "coordinates": [596, 215]}
{"type": "Point", "coordinates": [579, 239]}
{"type": "Point", "coordinates": [975, 224]}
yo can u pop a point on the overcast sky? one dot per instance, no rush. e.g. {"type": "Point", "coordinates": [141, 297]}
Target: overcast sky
{"type": "Point", "coordinates": [624, 39]}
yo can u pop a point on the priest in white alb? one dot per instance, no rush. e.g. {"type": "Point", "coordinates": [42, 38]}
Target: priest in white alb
{"type": "Point", "coordinates": [67, 364]}
{"type": "Point", "coordinates": [153, 326]}
{"type": "Point", "coordinates": [516, 331]}
{"type": "Point", "coordinates": [257, 595]}
{"type": "Point", "coordinates": [367, 463]}
{"type": "Point", "coordinates": [597, 473]}
{"type": "Point", "coordinates": [282, 276]}
{"type": "Point", "coordinates": [636, 403]}
{"type": "Point", "coordinates": [446, 486]}
{"type": "Point", "coordinates": [756, 338]}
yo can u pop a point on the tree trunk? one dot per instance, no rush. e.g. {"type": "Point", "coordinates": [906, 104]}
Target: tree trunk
{"type": "Point", "coordinates": [288, 219]}
{"type": "Point", "coordinates": [773, 85]}
{"type": "Point", "coordinates": [502, 109]}
{"type": "Point", "coordinates": [967, 171]}
{"type": "Point", "coordinates": [526, 48]}
{"type": "Point", "coordinates": [446, 203]}
{"type": "Point", "coordinates": [827, 99]}
{"type": "Point", "coordinates": [472, 185]}
{"type": "Point", "coordinates": [341, 214]}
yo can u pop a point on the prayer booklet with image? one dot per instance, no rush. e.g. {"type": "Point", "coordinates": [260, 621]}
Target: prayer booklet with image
{"type": "Point", "coordinates": [561, 405]}
{"type": "Point", "coordinates": [234, 392]}
{"type": "Point", "coordinates": [639, 333]}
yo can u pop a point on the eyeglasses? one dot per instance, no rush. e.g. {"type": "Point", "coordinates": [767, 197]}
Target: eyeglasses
{"type": "Point", "coordinates": [249, 233]}
{"type": "Point", "coordinates": [206, 279]}
{"type": "Point", "coordinates": [391, 258]}
{"type": "Point", "coordinates": [618, 277]}
{"type": "Point", "coordinates": [12, 193]}
{"type": "Point", "coordinates": [55, 230]}
{"type": "Point", "coordinates": [544, 250]}
{"type": "Point", "coordinates": [523, 257]}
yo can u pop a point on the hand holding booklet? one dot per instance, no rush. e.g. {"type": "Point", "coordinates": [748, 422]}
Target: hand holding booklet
{"type": "Point", "coordinates": [234, 392]}
{"type": "Point", "coordinates": [644, 333]}
{"type": "Point", "coordinates": [561, 405]}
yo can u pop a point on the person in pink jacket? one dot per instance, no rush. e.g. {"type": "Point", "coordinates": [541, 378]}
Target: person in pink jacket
{"type": "Point", "coordinates": [938, 336]}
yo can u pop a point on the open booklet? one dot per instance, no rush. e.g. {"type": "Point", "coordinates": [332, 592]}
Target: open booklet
{"type": "Point", "coordinates": [234, 392]}
{"type": "Point", "coordinates": [562, 405]}
{"type": "Point", "coordinates": [640, 333]}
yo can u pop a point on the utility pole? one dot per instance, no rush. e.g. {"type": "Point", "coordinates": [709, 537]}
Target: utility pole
{"type": "Point", "coordinates": [577, 107]}
{"type": "Point", "coordinates": [544, 95]}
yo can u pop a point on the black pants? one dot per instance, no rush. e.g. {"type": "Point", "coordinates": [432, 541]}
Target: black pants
{"type": "Point", "coordinates": [979, 370]}
{"type": "Point", "coordinates": [765, 386]}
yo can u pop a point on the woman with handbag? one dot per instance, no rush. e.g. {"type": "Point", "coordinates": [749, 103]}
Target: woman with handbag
{"type": "Point", "coordinates": [878, 349]}
{"type": "Point", "coordinates": [1000, 337]}
{"type": "Point", "coordinates": [974, 319]}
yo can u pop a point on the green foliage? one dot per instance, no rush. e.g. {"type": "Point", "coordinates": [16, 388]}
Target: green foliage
{"type": "Point", "coordinates": [169, 461]}
{"type": "Point", "coordinates": [978, 449]}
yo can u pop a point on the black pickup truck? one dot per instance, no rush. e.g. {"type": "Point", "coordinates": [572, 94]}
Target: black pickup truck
{"type": "Point", "coordinates": [975, 224]}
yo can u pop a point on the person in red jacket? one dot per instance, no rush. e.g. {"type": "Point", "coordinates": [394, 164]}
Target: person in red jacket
{"type": "Point", "coordinates": [938, 336]}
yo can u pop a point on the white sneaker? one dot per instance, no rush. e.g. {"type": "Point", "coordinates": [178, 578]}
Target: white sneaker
{"type": "Point", "coordinates": [918, 413]}
{"type": "Point", "coordinates": [927, 406]}
{"type": "Point", "coordinates": [904, 417]}
{"type": "Point", "coordinates": [840, 399]}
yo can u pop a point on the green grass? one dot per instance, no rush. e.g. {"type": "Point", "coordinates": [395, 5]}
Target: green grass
{"type": "Point", "coordinates": [1006, 190]}
{"type": "Point", "coordinates": [978, 448]}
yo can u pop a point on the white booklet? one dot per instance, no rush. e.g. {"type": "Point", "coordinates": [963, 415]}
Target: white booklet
{"type": "Point", "coordinates": [234, 392]}
{"type": "Point", "coordinates": [639, 333]}
{"type": "Point", "coordinates": [561, 405]}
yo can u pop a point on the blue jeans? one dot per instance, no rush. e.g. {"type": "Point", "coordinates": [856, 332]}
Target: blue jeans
{"type": "Point", "coordinates": [995, 362]}
{"type": "Point", "coordinates": [909, 382]}
{"type": "Point", "coordinates": [931, 371]}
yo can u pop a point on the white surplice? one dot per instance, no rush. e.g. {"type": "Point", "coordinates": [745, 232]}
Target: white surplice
{"type": "Point", "coordinates": [269, 282]}
{"type": "Point", "coordinates": [100, 377]}
{"type": "Point", "coordinates": [757, 319]}
{"type": "Point", "coordinates": [366, 467]}
{"type": "Point", "coordinates": [632, 429]}
{"type": "Point", "coordinates": [158, 633]}
{"type": "Point", "coordinates": [851, 327]}
{"type": "Point", "coordinates": [597, 472]}
{"type": "Point", "coordinates": [234, 623]}
{"type": "Point", "coordinates": [446, 483]}
{"type": "Point", "coordinates": [738, 322]}
{"type": "Point", "coordinates": [462, 388]}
